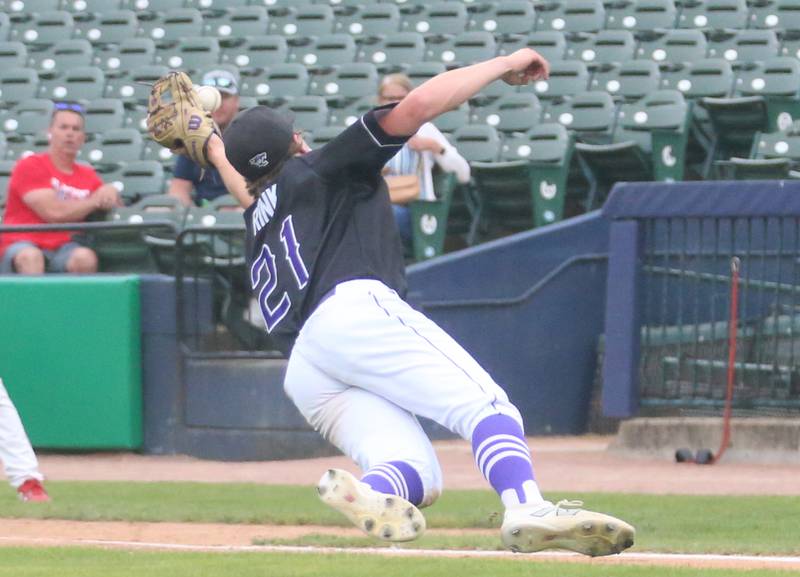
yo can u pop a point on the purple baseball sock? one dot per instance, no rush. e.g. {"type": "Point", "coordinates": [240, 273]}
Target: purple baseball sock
{"type": "Point", "coordinates": [503, 457]}
{"type": "Point", "coordinates": [396, 478]}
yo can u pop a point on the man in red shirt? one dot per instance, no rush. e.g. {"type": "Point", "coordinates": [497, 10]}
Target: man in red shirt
{"type": "Point", "coordinates": [52, 188]}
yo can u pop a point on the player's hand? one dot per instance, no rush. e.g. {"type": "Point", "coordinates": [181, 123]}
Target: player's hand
{"type": "Point", "coordinates": [107, 197]}
{"type": "Point", "coordinates": [527, 66]}
{"type": "Point", "coordinates": [423, 143]}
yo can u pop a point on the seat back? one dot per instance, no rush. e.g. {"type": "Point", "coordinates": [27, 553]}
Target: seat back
{"type": "Point", "coordinates": [477, 142]}
{"type": "Point", "coordinates": [310, 112]}
{"type": "Point", "coordinates": [402, 48]}
{"type": "Point", "coordinates": [240, 22]}
{"type": "Point", "coordinates": [127, 55]}
{"type": "Point", "coordinates": [191, 53]}
{"type": "Point", "coordinates": [256, 51]}
{"type": "Point", "coordinates": [567, 77]}
{"type": "Point", "coordinates": [110, 27]}
{"type": "Point", "coordinates": [503, 17]}
{"type": "Point", "coordinates": [103, 114]}
{"type": "Point", "coordinates": [28, 117]}
{"type": "Point", "coordinates": [775, 77]}
{"type": "Point", "coordinates": [638, 15]}
{"type": "Point", "coordinates": [673, 46]}
{"type": "Point", "coordinates": [13, 54]}
{"type": "Point", "coordinates": [714, 14]}
{"type": "Point", "coordinates": [369, 20]}
{"type": "Point", "coordinates": [630, 81]}
{"type": "Point", "coordinates": [17, 84]}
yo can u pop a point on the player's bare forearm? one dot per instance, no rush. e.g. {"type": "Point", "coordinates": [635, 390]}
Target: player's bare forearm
{"type": "Point", "coordinates": [454, 87]}
{"type": "Point", "coordinates": [234, 181]}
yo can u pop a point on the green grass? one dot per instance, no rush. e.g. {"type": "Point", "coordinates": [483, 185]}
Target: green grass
{"type": "Point", "coordinates": [26, 562]}
{"type": "Point", "coordinates": [766, 525]}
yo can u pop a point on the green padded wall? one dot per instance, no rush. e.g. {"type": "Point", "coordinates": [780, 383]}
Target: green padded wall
{"type": "Point", "coordinates": [70, 357]}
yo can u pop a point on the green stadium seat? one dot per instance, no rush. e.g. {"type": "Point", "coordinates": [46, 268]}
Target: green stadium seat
{"type": "Point", "coordinates": [128, 54]}
{"type": "Point", "coordinates": [368, 20]}
{"type": "Point", "coordinates": [62, 55]}
{"type": "Point", "coordinates": [349, 113]}
{"type": "Point", "coordinates": [310, 112]}
{"type": "Point", "coordinates": [672, 46]}
{"type": "Point", "coordinates": [137, 179]}
{"type": "Point", "coordinates": [429, 218]}
{"type": "Point", "coordinates": [89, 6]}
{"type": "Point", "coordinates": [22, 146]}
{"type": "Point", "coordinates": [434, 18]}
{"type": "Point", "coordinates": [322, 136]}
{"type": "Point", "coordinates": [281, 82]}
{"type": "Point", "coordinates": [220, 5]}
{"type": "Point", "coordinates": [392, 50]}
{"type": "Point", "coordinates": [303, 20]}
{"type": "Point", "coordinates": [707, 77]}
{"type": "Point", "coordinates": [571, 16]}
{"type": "Point", "coordinates": [515, 112]}
{"type": "Point", "coordinates": [503, 190]}
{"type": "Point", "coordinates": [477, 142]}
{"type": "Point", "coordinates": [777, 81]}
{"type": "Point", "coordinates": [743, 46]}
{"type": "Point", "coordinates": [461, 49]}
{"type": "Point", "coordinates": [239, 22]}
{"type": "Point", "coordinates": [776, 14]}
{"type": "Point", "coordinates": [5, 26]}
{"type": "Point", "coordinates": [153, 5]}
{"type": "Point", "coordinates": [18, 84]}
{"type": "Point", "coordinates": [713, 14]}
{"type": "Point", "coordinates": [503, 17]}
{"type": "Point", "coordinates": [171, 25]}
{"type": "Point", "coordinates": [419, 72]}
{"type": "Point", "coordinates": [326, 50]}
{"type": "Point", "coordinates": [13, 54]}
{"type": "Point", "coordinates": [346, 82]}
{"type": "Point", "coordinates": [639, 15]}
{"type": "Point", "coordinates": [114, 148]}
{"type": "Point", "coordinates": [605, 47]}
{"type": "Point", "coordinates": [104, 114]}
{"type": "Point", "coordinates": [109, 27]}
{"type": "Point", "coordinates": [191, 53]}
{"type": "Point", "coordinates": [452, 119]}
{"type": "Point", "coordinates": [590, 115]}
{"type": "Point", "coordinates": [551, 44]}
{"type": "Point", "coordinates": [134, 88]}
{"type": "Point", "coordinates": [630, 81]}
{"type": "Point", "coordinates": [567, 77]}
{"type": "Point", "coordinates": [256, 52]}
{"type": "Point", "coordinates": [79, 83]}
{"type": "Point", "coordinates": [27, 118]}
{"type": "Point", "coordinates": [156, 152]}
{"type": "Point", "coordinates": [31, 6]}
{"type": "Point", "coordinates": [43, 28]}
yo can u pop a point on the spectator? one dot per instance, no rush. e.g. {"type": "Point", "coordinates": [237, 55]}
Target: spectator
{"type": "Point", "coordinates": [191, 184]}
{"type": "Point", "coordinates": [19, 460]}
{"type": "Point", "coordinates": [409, 173]}
{"type": "Point", "coordinates": [51, 187]}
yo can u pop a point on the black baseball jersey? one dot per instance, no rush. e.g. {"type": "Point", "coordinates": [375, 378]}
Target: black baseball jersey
{"type": "Point", "coordinates": [324, 220]}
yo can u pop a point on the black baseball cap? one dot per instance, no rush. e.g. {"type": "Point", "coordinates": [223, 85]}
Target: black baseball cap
{"type": "Point", "coordinates": [257, 139]}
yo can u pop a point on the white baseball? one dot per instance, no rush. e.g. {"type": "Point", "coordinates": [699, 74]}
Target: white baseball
{"type": "Point", "coordinates": [210, 98]}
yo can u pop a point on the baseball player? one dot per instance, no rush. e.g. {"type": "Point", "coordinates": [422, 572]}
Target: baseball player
{"type": "Point", "coordinates": [16, 453]}
{"type": "Point", "coordinates": [325, 262]}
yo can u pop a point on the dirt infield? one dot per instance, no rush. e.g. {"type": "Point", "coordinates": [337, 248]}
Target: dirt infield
{"type": "Point", "coordinates": [562, 464]}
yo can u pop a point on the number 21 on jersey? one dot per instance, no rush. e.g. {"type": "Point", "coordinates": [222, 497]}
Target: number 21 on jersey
{"type": "Point", "coordinates": [263, 273]}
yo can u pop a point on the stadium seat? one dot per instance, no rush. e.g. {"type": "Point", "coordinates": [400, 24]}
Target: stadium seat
{"type": "Point", "coordinates": [62, 55]}
{"type": "Point", "coordinates": [672, 46]}
{"type": "Point", "coordinates": [630, 81]}
{"type": "Point", "coordinates": [419, 72]}
{"type": "Point", "coordinates": [256, 52]}
{"type": "Point", "coordinates": [435, 18]}
{"type": "Point", "coordinates": [503, 190]}
{"type": "Point", "coordinates": [27, 118]}
{"type": "Point", "coordinates": [239, 22]}
{"type": "Point", "coordinates": [127, 55]}
{"type": "Point", "coordinates": [303, 20]}
{"type": "Point", "coordinates": [137, 179]}
{"type": "Point", "coordinates": [5, 26]}
{"type": "Point", "coordinates": [103, 114]}
{"type": "Point", "coordinates": [551, 44]}
{"type": "Point", "coordinates": [17, 84]}
{"type": "Point", "coordinates": [13, 54]}
{"type": "Point", "coordinates": [713, 14]}
{"type": "Point", "coordinates": [171, 25]}
{"type": "Point", "coordinates": [567, 77]}
{"type": "Point", "coordinates": [191, 53]}
{"type": "Point", "coordinates": [515, 112]}
{"type": "Point", "coordinates": [639, 15]}
{"type": "Point", "coordinates": [773, 156]}
{"type": "Point", "coordinates": [590, 115]}
{"type": "Point", "coordinates": [310, 112]}
{"type": "Point", "coordinates": [322, 136]}
{"type": "Point", "coordinates": [326, 50]}
{"type": "Point", "coordinates": [134, 88]}
{"type": "Point", "coordinates": [280, 83]}
{"type": "Point", "coordinates": [89, 6]}
{"type": "Point", "coordinates": [346, 82]}
{"type": "Point", "coordinates": [503, 17]}
{"type": "Point", "coordinates": [461, 49]}
{"type": "Point", "coordinates": [392, 50]}
{"type": "Point", "coordinates": [22, 146]}
{"type": "Point", "coordinates": [775, 14]}
{"type": "Point", "coordinates": [43, 28]}
{"type": "Point", "coordinates": [114, 148]}
{"type": "Point", "coordinates": [778, 81]}
{"type": "Point", "coordinates": [477, 142]}
{"type": "Point", "coordinates": [742, 46]}
{"type": "Point", "coordinates": [452, 119]}
{"type": "Point", "coordinates": [109, 27]}
{"type": "Point", "coordinates": [707, 77]}
{"type": "Point", "coordinates": [79, 83]}
{"type": "Point", "coordinates": [368, 20]}
{"type": "Point", "coordinates": [430, 218]}
{"type": "Point", "coordinates": [605, 47]}
{"type": "Point", "coordinates": [571, 16]}
{"type": "Point", "coordinates": [29, 6]}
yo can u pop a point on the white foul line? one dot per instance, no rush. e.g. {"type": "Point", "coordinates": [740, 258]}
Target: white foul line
{"type": "Point", "coordinates": [776, 561]}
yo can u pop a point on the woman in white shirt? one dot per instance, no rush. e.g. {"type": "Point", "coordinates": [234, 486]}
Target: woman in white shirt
{"type": "Point", "coordinates": [409, 172]}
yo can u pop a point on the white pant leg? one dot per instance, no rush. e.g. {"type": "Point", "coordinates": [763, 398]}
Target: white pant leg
{"type": "Point", "coordinates": [364, 426]}
{"type": "Point", "coordinates": [368, 337]}
{"type": "Point", "coordinates": [19, 460]}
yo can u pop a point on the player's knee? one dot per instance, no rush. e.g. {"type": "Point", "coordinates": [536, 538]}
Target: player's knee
{"type": "Point", "coordinates": [29, 260]}
{"type": "Point", "coordinates": [82, 261]}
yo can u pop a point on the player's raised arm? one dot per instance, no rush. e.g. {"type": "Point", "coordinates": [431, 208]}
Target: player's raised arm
{"type": "Point", "coordinates": [454, 87]}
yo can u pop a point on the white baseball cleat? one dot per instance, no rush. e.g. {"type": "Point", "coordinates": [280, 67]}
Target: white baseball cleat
{"type": "Point", "coordinates": [529, 528]}
{"type": "Point", "coordinates": [387, 517]}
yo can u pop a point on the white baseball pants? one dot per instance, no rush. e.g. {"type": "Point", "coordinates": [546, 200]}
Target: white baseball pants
{"type": "Point", "coordinates": [19, 460]}
{"type": "Point", "coordinates": [366, 362]}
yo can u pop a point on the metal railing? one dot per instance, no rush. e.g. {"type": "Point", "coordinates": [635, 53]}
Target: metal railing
{"type": "Point", "coordinates": [686, 284]}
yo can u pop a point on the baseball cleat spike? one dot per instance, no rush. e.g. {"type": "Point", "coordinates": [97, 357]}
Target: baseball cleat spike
{"type": "Point", "coordinates": [390, 518]}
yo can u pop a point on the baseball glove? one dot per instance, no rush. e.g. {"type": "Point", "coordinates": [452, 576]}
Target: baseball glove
{"type": "Point", "coordinates": [176, 119]}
